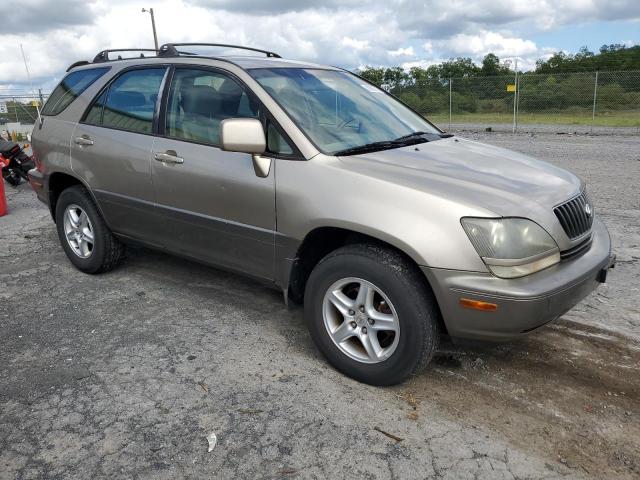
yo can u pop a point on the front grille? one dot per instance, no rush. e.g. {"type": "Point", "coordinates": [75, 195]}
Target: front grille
{"type": "Point", "coordinates": [575, 215]}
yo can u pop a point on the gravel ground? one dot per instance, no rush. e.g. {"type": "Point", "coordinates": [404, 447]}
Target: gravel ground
{"type": "Point", "coordinates": [540, 128]}
{"type": "Point", "coordinates": [124, 375]}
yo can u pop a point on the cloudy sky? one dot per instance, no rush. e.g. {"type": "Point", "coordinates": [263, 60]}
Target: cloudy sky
{"type": "Point", "coordinates": [347, 33]}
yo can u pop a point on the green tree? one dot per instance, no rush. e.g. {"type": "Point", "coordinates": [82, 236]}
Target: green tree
{"type": "Point", "coordinates": [373, 75]}
{"type": "Point", "coordinates": [395, 78]}
{"type": "Point", "coordinates": [491, 66]}
{"type": "Point", "coordinates": [457, 67]}
{"type": "Point", "coordinates": [610, 57]}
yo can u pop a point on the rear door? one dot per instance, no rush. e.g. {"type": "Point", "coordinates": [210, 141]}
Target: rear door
{"type": "Point", "coordinates": [212, 205]}
{"type": "Point", "coordinates": [111, 150]}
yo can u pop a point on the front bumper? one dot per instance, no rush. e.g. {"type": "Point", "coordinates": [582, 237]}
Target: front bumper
{"type": "Point", "coordinates": [523, 304]}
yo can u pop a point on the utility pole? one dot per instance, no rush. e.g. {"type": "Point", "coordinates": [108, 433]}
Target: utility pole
{"type": "Point", "coordinates": [26, 67]}
{"type": "Point", "coordinates": [153, 25]}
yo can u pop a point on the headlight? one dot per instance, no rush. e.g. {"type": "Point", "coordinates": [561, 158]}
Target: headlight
{"type": "Point", "coordinates": [511, 247]}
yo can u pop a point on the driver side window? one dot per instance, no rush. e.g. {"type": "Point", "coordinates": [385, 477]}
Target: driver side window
{"type": "Point", "coordinates": [200, 99]}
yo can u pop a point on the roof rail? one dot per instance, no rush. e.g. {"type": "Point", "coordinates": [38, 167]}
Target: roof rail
{"type": "Point", "coordinates": [103, 56]}
{"type": "Point", "coordinates": [170, 50]}
{"type": "Point", "coordinates": [78, 64]}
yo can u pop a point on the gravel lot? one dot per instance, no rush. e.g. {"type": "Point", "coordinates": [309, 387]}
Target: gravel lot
{"type": "Point", "coordinates": [124, 375]}
{"type": "Point", "coordinates": [540, 128]}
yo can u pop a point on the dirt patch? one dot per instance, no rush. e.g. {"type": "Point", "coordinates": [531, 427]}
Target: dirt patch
{"type": "Point", "coordinates": [570, 393]}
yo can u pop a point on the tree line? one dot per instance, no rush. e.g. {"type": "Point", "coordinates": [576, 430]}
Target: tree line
{"type": "Point", "coordinates": [551, 86]}
{"type": "Point", "coordinates": [614, 57]}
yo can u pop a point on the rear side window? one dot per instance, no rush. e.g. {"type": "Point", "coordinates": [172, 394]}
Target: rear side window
{"type": "Point", "coordinates": [68, 90]}
{"type": "Point", "coordinates": [129, 102]}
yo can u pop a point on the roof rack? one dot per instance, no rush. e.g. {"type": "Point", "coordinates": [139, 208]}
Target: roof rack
{"type": "Point", "coordinates": [166, 50]}
{"type": "Point", "coordinates": [103, 56]}
{"type": "Point", "coordinates": [170, 50]}
{"type": "Point", "coordinates": [78, 64]}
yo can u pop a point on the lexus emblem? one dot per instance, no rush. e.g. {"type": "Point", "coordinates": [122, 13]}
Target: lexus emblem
{"type": "Point", "coordinates": [587, 209]}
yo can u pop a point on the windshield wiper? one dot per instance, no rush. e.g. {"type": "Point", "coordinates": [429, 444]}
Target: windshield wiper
{"type": "Point", "coordinates": [368, 147]}
{"type": "Point", "coordinates": [429, 136]}
{"type": "Point", "coordinates": [410, 135]}
{"type": "Point", "coordinates": [411, 139]}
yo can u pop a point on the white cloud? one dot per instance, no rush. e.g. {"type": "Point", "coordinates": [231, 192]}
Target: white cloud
{"type": "Point", "coordinates": [357, 45]}
{"type": "Point", "coordinates": [484, 42]}
{"type": "Point", "coordinates": [402, 52]}
{"type": "Point", "coordinates": [420, 63]}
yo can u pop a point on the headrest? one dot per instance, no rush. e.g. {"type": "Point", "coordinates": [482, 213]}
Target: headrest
{"type": "Point", "coordinates": [230, 94]}
{"type": "Point", "coordinates": [200, 99]}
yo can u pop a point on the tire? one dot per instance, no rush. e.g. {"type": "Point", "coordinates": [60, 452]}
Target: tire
{"type": "Point", "coordinates": [11, 178]}
{"type": "Point", "coordinates": [401, 291]}
{"type": "Point", "coordinates": [105, 252]}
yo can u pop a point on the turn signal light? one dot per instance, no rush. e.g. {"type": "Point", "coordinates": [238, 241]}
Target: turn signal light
{"type": "Point", "coordinates": [478, 305]}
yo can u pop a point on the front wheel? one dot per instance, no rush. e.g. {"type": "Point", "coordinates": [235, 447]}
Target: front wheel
{"type": "Point", "coordinates": [370, 312]}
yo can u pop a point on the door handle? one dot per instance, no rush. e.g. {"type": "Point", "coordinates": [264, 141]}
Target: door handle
{"type": "Point", "coordinates": [170, 156]}
{"type": "Point", "coordinates": [84, 140]}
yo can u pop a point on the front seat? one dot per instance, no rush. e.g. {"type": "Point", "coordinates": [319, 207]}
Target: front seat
{"type": "Point", "coordinates": [200, 122]}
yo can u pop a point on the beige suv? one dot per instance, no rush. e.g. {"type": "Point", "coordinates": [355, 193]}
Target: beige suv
{"type": "Point", "coordinates": [320, 184]}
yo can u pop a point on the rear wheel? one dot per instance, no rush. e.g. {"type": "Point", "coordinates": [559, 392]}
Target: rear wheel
{"type": "Point", "coordinates": [371, 314]}
{"type": "Point", "coordinates": [85, 237]}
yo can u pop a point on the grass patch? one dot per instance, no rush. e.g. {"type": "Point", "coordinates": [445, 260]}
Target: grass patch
{"type": "Point", "coordinates": [625, 118]}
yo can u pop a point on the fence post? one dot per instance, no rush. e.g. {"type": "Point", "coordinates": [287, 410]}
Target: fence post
{"type": "Point", "coordinates": [517, 102]}
{"type": "Point", "coordinates": [515, 97]}
{"type": "Point", "coordinates": [450, 103]}
{"type": "Point", "coordinates": [15, 109]}
{"type": "Point", "coordinates": [595, 96]}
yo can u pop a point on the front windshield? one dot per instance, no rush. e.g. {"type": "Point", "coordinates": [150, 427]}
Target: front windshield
{"type": "Point", "coordinates": [338, 110]}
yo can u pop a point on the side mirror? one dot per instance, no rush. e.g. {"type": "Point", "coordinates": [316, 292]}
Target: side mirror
{"type": "Point", "coordinates": [244, 135]}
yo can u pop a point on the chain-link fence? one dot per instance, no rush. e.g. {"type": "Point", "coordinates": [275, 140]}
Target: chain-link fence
{"type": "Point", "coordinates": [18, 112]}
{"type": "Point", "coordinates": [580, 102]}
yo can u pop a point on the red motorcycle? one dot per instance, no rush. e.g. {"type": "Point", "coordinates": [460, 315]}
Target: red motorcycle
{"type": "Point", "coordinates": [15, 163]}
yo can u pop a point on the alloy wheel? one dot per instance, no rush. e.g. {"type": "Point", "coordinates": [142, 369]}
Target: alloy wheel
{"type": "Point", "coordinates": [361, 320]}
{"type": "Point", "coordinates": [78, 231]}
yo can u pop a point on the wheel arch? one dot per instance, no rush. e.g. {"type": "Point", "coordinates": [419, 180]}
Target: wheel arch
{"type": "Point", "coordinates": [321, 241]}
{"type": "Point", "coordinates": [58, 182]}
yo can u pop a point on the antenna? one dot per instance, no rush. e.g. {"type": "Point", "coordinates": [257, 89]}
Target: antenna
{"type": "Point", "coordinates": [24, 58]}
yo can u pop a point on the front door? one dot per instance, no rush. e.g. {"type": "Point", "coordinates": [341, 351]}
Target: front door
{"type": "Point", "coordinates": [211, 204]}
{"type": "Point", "coordinates": [111, 151]}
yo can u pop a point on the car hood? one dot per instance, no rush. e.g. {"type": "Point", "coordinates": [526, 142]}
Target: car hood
{"type": "Point", "coordinates": [502, 181]}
